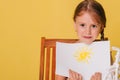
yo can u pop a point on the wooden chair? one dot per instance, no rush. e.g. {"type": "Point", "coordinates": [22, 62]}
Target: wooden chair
{"type": "Point", "coordinates": [48, 57]}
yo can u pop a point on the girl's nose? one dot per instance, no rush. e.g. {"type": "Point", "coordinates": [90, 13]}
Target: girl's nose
{"type": "Point", "coordinates": [88, 30]}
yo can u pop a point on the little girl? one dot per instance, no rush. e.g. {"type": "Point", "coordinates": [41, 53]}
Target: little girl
{"type": "Point", "coordinates": [89, 21]}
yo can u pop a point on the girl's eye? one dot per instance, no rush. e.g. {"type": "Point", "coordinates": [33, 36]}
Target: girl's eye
{"type": "Point", "coordinates": [94, 26]}
{"type": "Point", "coordinates": [82, 25]}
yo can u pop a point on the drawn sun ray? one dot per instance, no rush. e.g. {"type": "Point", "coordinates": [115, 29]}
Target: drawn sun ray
{"type": "Point", "coordinates": [83, 54]}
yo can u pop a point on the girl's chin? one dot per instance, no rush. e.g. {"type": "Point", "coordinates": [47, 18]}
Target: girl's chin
{"type": "Point", "coordinates": [86, 42]}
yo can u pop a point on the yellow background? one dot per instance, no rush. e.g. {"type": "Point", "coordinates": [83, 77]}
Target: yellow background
{"type": "Point", "coordinates": [24, 22]}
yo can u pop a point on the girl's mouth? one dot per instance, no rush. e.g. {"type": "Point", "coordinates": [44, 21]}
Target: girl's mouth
{"type": "Point", "coordinates": [87, 37]}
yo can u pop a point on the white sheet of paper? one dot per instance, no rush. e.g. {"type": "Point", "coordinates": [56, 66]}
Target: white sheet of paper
{"type": "Point", "coordinates": [82, 58]}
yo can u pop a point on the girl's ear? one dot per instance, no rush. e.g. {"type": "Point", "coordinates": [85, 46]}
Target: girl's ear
{"type": "Point", "coordinates": [102, 28]}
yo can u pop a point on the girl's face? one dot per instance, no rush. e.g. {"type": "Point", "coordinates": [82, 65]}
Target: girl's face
{"type": "Point", "coordinates": [87, 28]}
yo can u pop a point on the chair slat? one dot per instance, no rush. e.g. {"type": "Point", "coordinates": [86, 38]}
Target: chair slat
{"type": "Point", "coordinates": [47, 64]}
{"type": "Point", "coordinates": [53, 63]}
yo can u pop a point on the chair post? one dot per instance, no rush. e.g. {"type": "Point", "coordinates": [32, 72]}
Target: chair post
{"type": "Point", "coordinates": [42, 56]}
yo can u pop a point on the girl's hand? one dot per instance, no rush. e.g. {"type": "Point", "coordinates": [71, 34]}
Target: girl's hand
{"type": "Point", "coordinates": [74, 75]}
{"type": "Point", "coordinates": [96, 76]}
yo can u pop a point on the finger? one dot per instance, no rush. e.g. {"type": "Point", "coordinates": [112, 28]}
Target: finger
{"type": "Point", "coordinates": [70, 73]}
{"type": "Point", "coordinates": [68, 79]}
{"type": "Point", "coordinates": [79, 77]}
{"type": "Point", "coordinates": [74, 75]}
{"type": "Point", "coordinates": [92, 77]}
{"type": "Point", "coordinates": [98, 76]}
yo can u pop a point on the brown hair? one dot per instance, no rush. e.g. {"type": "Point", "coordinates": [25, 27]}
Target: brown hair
{"type": "Point", "coordinates": [94, 7]}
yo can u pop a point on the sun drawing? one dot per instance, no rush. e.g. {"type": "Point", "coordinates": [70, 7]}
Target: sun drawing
{"type": "Point", "coordinates": [83, 54]}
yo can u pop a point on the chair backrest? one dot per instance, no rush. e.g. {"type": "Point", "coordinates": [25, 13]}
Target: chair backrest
{"type": "Point", "coordinates": [48, 57]}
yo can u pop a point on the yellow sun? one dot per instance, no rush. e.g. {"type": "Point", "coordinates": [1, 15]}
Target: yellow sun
{"type": "Point", "coordinates": [83, 54]}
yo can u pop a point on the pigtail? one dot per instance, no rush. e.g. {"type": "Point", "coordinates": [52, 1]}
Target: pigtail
{"type": "Point", "coordinates": [102, 34]}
